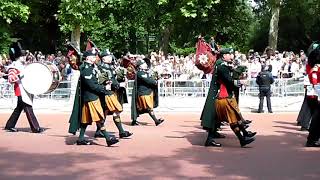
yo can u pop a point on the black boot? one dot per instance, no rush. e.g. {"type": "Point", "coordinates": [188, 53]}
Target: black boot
{"type": "Point", "coordinates": [218, 135]}
{"type": "Point", "coordinates": [159, 122]}
{"type": "Point", "coordinates": [83, 142]}
{"type": "Point", "coordinates": [98, 134]}
{"type": "Point", "coordinates": [210, 141]}
{"type": "Point", "coordinates": [245, 132]}
{"type": "Point", "coordinates": [125, 134]}
{"type": "Point", "coordinates": [243, 139]}
{"type": "Point", "coordinates": [111, 141]}
{"type": "Point", "coordinates": [135, 123]}
{"type": "Point", "coordinates": [156, 121]}
{"type": "Point", "coordinates": [11, 129]}
{"type": "Point", "coordinates": [312, 144]}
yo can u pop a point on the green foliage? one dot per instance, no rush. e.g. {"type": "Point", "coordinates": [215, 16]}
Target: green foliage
{"type": "Point", "coordinates": [181, 51]}
{"type": "Point", "coordinates": [13, 9]}
{"type": "Point", "coordinates": [10, 10]}
{"type": "Point", "coordinates": [125, 25]}
{"type": "Point", "coordinates": [5, 39]}
{"type": "Point", "coordinates": [80, 12]}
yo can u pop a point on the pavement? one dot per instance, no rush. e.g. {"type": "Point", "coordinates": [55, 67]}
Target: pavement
{"type": "Point", "coordinates": [173, 150]}
{"type": "Point", "coordinates": [166, 104]}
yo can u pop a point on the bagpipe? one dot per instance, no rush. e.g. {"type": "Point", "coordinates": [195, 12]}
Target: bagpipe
{"type": "Point", "coordinates": [129, 63]}
{"type": "Point", "coordinates": [74, 56]}
{"type": "Point", "coordinates": [240, 72]}
{"type": "Point", "coordinates": [205, 59]}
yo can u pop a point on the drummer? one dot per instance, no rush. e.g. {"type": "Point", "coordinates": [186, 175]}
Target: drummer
{"type": "Point", "coordinates": [25, 100]}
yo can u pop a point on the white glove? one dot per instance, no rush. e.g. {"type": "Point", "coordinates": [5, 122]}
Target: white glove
{"type": "Point", "coordinates": [108, 87]}
{"type": "Point", "coordinates": [123, 84]}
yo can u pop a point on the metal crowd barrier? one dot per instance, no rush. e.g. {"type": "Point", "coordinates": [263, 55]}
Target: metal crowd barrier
{"type": "Point", "coordinates": [175, 88]}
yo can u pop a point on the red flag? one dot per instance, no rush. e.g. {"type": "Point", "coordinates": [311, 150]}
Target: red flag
{"type": "Point", "coordinates": [204, 58]}
{"type": "Point", "coordinates": [91, 45]}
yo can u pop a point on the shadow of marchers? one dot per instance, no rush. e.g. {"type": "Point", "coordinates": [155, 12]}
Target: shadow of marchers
{"type": "Point", "coordinates": [28, 130]}
{"type": "Point", "coordinates": [140, 123]}
{"type": "Point", "coordinates": [46, 166]}
{"type": "Point", "coordinates": [288, 123]}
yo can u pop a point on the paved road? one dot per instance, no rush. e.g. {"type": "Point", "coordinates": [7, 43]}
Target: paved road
{"type": "Point", "coordinates": [171, 151]}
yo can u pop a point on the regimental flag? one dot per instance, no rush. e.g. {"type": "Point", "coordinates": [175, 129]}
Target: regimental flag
{"type": "Point", "coordinates": [91, 45]}
{"type": "Point", "coordinates": [74, 56]}
{"type": "Point", "coordinates": [204, 58]}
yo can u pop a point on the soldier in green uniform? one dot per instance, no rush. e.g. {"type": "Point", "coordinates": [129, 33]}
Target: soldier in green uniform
{"type": "Point", "coordinates": [111, 103]}
{"type": "Point", "coordinates": [87, 107]}
{"type": "Point", "coordinates": [144, 94]}
{"type": "Point", "coordinates": [221, 105]}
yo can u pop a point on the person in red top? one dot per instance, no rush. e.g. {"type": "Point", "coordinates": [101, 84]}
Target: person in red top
{"type": "Point", "coordinates": [313, 70]}
{"type": "Point", "coordinates": [18, 56]}
{"type": "Point", "coordinates": [221, 104]}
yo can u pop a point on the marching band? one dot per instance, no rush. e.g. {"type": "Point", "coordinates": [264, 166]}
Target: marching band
{"type": "Point", "coordinates": [101, 91]}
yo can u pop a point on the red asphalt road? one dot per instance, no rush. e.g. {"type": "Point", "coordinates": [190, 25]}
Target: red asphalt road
{"type": "Point", "coordinates": [173, 150]}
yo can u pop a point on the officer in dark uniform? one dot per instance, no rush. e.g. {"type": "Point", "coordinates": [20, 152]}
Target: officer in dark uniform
{"type": "Point", "coordinates": [264, 80]}
{"type": "Point", "coordinates": [111, 103]}
{"type": "Point", "coordinates": [87, 106]}
{"type": "Point", "coordinates": [144, 94]}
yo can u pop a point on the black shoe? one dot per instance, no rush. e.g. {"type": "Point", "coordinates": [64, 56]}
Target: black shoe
{"type": "Point", "coordinates": [270, 111]}
{"type": "Point", "coordinates": [218, 135]}
{"type": "Point", "coordinates": [159, 122]}
{"type": "Point", "coordinates": [135, 123]}
{"type": "Point", "coordinates": [125, 134]}
{"type": "Point", "coordinates": [260, 111]}
{"type": "Point", "coordinates": [38, 130]}
{"type": "Point", "coordinates": [83, 142]}
{"type": "Point", "coordinates": [312, 144]}
{"type": "Point", "coordinates": [247, 121]}
{"type": "Point", "coordinates": [304, 129]}
{"type": "Point", "coordinates": [246, 140]}
{"type": "Point", "coordinates": [98, 134]}
{"type": "Point", "coordinates": [112, 141]}
{"type": "Point", "coordinates": [223, 123]}
{"type": "Point", "coordinates": [250, 134]}
{"type": "Point", "coordinates": [11, 129]}
{"type": "Point", "coordinates": [212, 143]}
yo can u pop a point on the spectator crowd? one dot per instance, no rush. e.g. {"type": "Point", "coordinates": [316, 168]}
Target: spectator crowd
{"type": "Point", "coordinates": [281, 64]}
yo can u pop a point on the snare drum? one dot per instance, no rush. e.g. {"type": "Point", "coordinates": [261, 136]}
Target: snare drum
{"type": "Point", "coordinates": [40, 78]}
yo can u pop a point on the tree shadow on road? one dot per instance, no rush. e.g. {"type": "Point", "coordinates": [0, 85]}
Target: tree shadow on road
{"type": "Point", "coordinates": [36, 166]}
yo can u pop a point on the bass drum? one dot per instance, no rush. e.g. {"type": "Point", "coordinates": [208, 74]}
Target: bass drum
{"type": "Point", "coordinates": [41, 78]}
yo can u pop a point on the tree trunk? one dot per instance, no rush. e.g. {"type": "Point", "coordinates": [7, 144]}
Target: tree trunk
{"type": "Point", "coordinates": [164, 44]}
{"type": "Point", "coordinates": [274, 24]}
{"type": "Point", "coordinates": [75, 36]}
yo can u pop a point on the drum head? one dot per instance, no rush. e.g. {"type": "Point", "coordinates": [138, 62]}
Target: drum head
{"type": "Point", "coordinates": [37, 78]}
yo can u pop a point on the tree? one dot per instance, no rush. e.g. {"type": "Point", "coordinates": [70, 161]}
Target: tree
{"type": "Point", "coordinates": [80, 15]}
{"type": "Point", "coordinates": [274, 23]}
{"type": "Point", "coordinates": [10, 10]}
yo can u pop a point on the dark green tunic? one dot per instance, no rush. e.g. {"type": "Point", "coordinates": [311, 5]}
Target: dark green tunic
{"type": "Point", "coordinates": [87, 90]}
{"type": "Point", "coordinates": [143, 84]}
{"type": "Point", "coordinates": [221, 73]}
